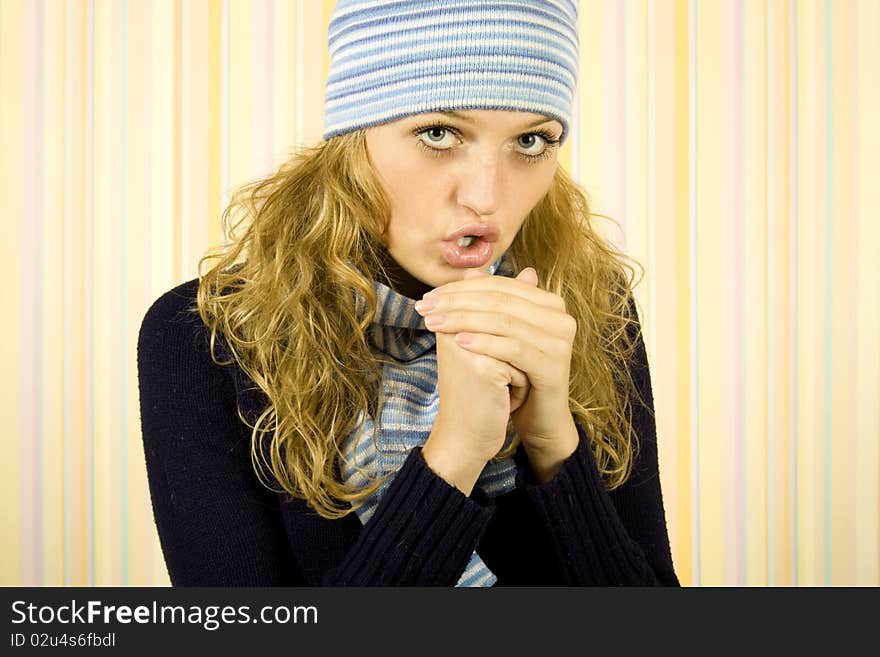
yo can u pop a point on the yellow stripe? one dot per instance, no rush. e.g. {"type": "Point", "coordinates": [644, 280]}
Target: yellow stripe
{"type": "Point", "coordinates": [162, 117]}
{"type": "Point", "coordinates": [867, 525]}
{"type": "Point", "coordinates": [755, 278]}
{"type": "Point", "coordinates": [780, 368]}
{"type": "Point", "coordinates": [809, 320]}
{"type": "Point", "coordinates": [685, 559]}
{"type": "Point", "coordinates": [241, 161]}
{"type": "Point", "coordinates": [710, 346]}
{"type": "Point", "coordinates": [12, 180]}
{"type": "Point", "coordinates": [664, 368]}
{"type": "Point", "coordinates": [284, 83]}
{"type": "Point", "coordinates": [214, 137]}
{"type": "Point", "coordinates": [636, 120]}
{"type": "Point", "coordinates": [137, 510]}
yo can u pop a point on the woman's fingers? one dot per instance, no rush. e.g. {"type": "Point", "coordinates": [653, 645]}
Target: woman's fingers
{"type": "Point", "coordinates": [549, 329]}
{"type": "Point", "coordinates": [471, 310]}
{"type": "Point", "coordinates": [545, 365]}
{"type": "Point", "coordinates": [499, 287]}
{"type": "Point", "coordinates": [506, 323]}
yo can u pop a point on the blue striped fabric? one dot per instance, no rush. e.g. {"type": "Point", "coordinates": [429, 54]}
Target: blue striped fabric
{"type": "Point", "coordinates": [409, 383]}
{"type": "Point", "coordinates": [392, 59]}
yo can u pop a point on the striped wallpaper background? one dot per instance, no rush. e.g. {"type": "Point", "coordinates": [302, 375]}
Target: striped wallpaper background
{"type": "Point", "coordinates": [734, 142]}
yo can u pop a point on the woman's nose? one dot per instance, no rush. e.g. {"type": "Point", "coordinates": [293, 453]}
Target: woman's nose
{"type": "Point", "coordinates": [480, 184]}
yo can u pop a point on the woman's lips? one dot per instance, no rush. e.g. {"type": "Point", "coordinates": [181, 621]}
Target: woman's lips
{"type": "Point", "coordinates": [475, 254]}
{"type": "Point", "coordinates": [467, 257]}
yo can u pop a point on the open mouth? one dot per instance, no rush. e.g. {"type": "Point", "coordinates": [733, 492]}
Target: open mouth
{"type": "Point", "coordinates": [468, 251]}
{"type": "Point", "coordinates": [472, 245]}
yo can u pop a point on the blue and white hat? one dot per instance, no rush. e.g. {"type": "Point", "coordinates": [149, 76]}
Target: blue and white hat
{"type": "Point", "coordinates": [394, 58]}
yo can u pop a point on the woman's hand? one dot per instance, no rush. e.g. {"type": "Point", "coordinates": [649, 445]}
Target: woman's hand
{"type": "Point", "coordinates": [515, 322]}
{"type": "Point", "coordinates": [471, 423]}
{"type": "Point", "coordinates": [477, 395]}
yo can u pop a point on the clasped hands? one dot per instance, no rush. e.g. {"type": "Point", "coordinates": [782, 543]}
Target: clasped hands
{"type": "Point", "coordinates": [513, 320]}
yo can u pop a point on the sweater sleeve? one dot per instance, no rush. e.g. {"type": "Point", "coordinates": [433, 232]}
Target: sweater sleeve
{"type": "Point", "coordinates": [217, 524]}
{"type": "Point", "coordinates": [422, 532]}
{"type": "Point", "coordinates": [616, 538]}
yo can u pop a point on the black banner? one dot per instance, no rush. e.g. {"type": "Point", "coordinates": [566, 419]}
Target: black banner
{"type": "Point", "coordinates": [376, 621]}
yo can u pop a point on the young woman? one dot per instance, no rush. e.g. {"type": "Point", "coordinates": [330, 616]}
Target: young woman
{"type": "Point", "coordinates": [416, 362]}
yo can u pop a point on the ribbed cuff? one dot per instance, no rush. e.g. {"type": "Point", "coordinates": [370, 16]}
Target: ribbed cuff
{"type": "Point", "coordinates": [591, 541]}
{"type": "Point", "coordinates": [422, 533]}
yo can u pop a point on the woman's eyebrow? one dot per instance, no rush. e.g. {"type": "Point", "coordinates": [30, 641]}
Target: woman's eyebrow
{"type": "Point", "coordinates": [470, 119]}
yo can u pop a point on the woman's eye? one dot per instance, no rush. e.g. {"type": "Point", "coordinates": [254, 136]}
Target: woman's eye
{"type": "Point", "coordinates": [437, 137]}
{"type": "Point", "coordinates": [533, 144]}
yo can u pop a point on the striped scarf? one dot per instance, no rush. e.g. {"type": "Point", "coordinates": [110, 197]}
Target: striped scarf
{"type": "Point", "coordinates": [411, 404]}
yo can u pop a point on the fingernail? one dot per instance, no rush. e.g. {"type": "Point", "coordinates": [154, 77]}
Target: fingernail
{"type": "Point", "coordinates": [464, 338]}
{"type": "Point", "coordinates": [425, 305]}
{"type": "Point", "coordinates": [433, 321]}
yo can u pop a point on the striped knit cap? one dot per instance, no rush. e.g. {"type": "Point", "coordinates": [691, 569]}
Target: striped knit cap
{"type": "Point", "coordinates": [390, 59]}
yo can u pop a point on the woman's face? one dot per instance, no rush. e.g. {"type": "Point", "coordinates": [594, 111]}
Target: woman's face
{"type": "Point", "coordinates": [451, 174]}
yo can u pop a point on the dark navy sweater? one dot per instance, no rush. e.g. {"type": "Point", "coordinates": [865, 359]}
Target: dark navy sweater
{"type": "Point", "coordinates": [218, 525]}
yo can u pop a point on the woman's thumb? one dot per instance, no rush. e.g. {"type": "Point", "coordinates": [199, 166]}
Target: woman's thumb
{"type": "Point", "coordinates": [528, 275]}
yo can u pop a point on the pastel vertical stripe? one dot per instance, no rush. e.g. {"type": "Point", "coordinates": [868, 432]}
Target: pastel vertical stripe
{"type": "Point", "coordinates": [27, 357]}
{"type": "Point", "coordinates": [615, 108]}
{"type": "Point", "coordinates": [694, 342]}
{"type": "Point", "coordinates": [731, 145]}
{"type": "Point", "coordinates": [716, 382]}
{"type": "Point", "coordinates": [103, 295]}
{"type": "Point", "coordinates": [52, 154]}
{"type": "Point", "coordinates": [18, 541]}
{"type": "Point", "coordinates": [866, 107]}
{"type": "Point", "coordinates": [806, 482]}
{"type": "Point", "coordinates": [794, 415]}
{"type": "Point", "coordinates": [731, 251]}
{"type": "Point", "coordinates": [82, 480]}
{"type": "Point", "coordinates": [680, 328]}
{"type": "Point", "coordinates": [754, 269]}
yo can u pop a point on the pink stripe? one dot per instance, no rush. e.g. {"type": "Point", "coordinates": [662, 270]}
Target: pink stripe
{"type": "Point", "coordinates": [731, 250]}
